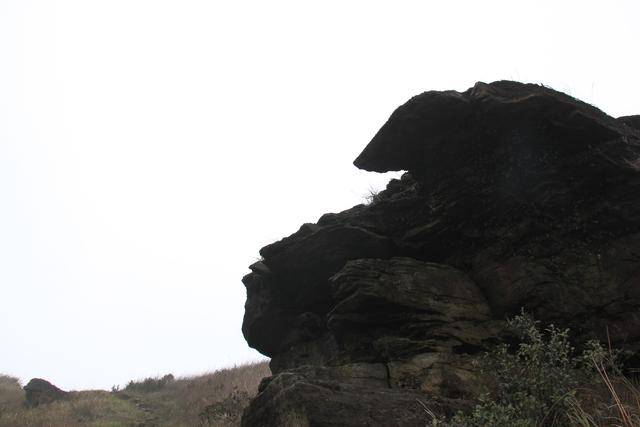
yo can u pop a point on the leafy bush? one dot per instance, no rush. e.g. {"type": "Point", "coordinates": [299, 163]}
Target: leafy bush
{"type": "Point", "coordinates": [543, 382]}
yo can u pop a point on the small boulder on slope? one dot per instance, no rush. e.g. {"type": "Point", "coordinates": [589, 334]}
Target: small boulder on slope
{"type": "Point", "coordinates": [41, 391]}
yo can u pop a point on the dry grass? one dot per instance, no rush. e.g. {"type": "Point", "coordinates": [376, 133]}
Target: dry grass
{"type": "Point", "coordinates": [11, 394]}
{"type": "Point", "coordinates": [181, 402]}
{"type": "Point", "coordinates": [177, 402]}
{"type": "Point", "coordinates": [87, 408]}
{"type": "Point", "coordinates": [616, 404]}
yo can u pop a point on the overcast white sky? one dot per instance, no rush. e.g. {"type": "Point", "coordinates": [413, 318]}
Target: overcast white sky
{"type": "Point", "coordinates": [148, 149]}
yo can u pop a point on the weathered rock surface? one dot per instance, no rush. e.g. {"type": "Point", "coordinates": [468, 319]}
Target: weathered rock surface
{"type": "Point", "coordinates": [516, 196]}
{"type": "Point", "coordinates": [295, 399]}
{"type": "Point", "coordinates": [39, 391]}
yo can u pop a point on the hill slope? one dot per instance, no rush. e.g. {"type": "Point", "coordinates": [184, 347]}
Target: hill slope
{"type": "Point", "coordinates": [214, 399]}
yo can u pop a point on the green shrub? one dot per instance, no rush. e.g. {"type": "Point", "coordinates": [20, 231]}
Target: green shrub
{"type": "Point", "coordinates": [539, 382]}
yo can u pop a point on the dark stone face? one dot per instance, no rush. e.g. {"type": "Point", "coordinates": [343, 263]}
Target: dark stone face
{"type": "Point", "coordinates": [516, 196]}
{"type": "Point", "coordinates": [39, 391]}
{"type": "Point", "coordinates": [632, 121]}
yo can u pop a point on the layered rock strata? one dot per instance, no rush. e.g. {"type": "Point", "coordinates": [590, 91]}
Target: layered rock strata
{"type": "Point", "coordinates": [515, 196]}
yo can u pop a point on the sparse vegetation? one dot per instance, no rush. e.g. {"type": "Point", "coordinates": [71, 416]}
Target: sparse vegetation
{"type": "Point", "coordinates": [544, 382]}
{"type": "Point", "coordinates": [149, 385]}
{"type": "Point", "coordinates": [11, 395]}
{"type": "Point", "coordinates": [372, 196]}
{"type": "Point", "coordinates": [215, 399]}
{"type": "Point", "coordinates": [227, 410]}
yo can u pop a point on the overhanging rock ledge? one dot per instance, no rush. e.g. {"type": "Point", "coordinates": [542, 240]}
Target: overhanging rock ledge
{"type": "Point", "coordinates": [516, 196]}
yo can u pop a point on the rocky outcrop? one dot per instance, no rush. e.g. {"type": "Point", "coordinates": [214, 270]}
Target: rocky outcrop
{"type": "Point", "coordinates": [39, 391]}
{"type": "Point", "coordinates": [515, 196]}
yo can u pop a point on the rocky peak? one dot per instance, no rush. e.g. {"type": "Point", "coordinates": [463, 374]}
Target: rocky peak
{"type": "Point", "coordinates": [516, 196]}
{"type": "Point", "coordinates": [438, 133]}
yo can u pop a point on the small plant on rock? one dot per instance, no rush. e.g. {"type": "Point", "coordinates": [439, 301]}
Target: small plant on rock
{"type": "Point", "coordinates": [372, 196]}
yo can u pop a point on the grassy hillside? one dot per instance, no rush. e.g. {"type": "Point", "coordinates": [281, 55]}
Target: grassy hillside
{"type": "Point", "coordinates": [215, 399]}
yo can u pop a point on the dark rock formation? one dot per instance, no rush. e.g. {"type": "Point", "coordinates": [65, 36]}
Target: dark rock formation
{"type": "Point", "coordinates": [516, 196]}
{"type": "Point", "coordinates": [633, 121]}
{"type": "Point", "coordinates": [39, 391]}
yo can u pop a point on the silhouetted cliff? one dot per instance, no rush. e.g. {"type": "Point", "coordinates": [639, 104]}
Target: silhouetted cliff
{"type": "Point", "coordinates": [515, 196]}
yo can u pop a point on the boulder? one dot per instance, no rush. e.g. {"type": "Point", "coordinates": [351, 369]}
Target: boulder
{"type": "Point", "coordinates": [39, 391]}
{"type": "Point", "coordinates": [300, 399]}
{"type": "Point", "coordinates": [515, 197]}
